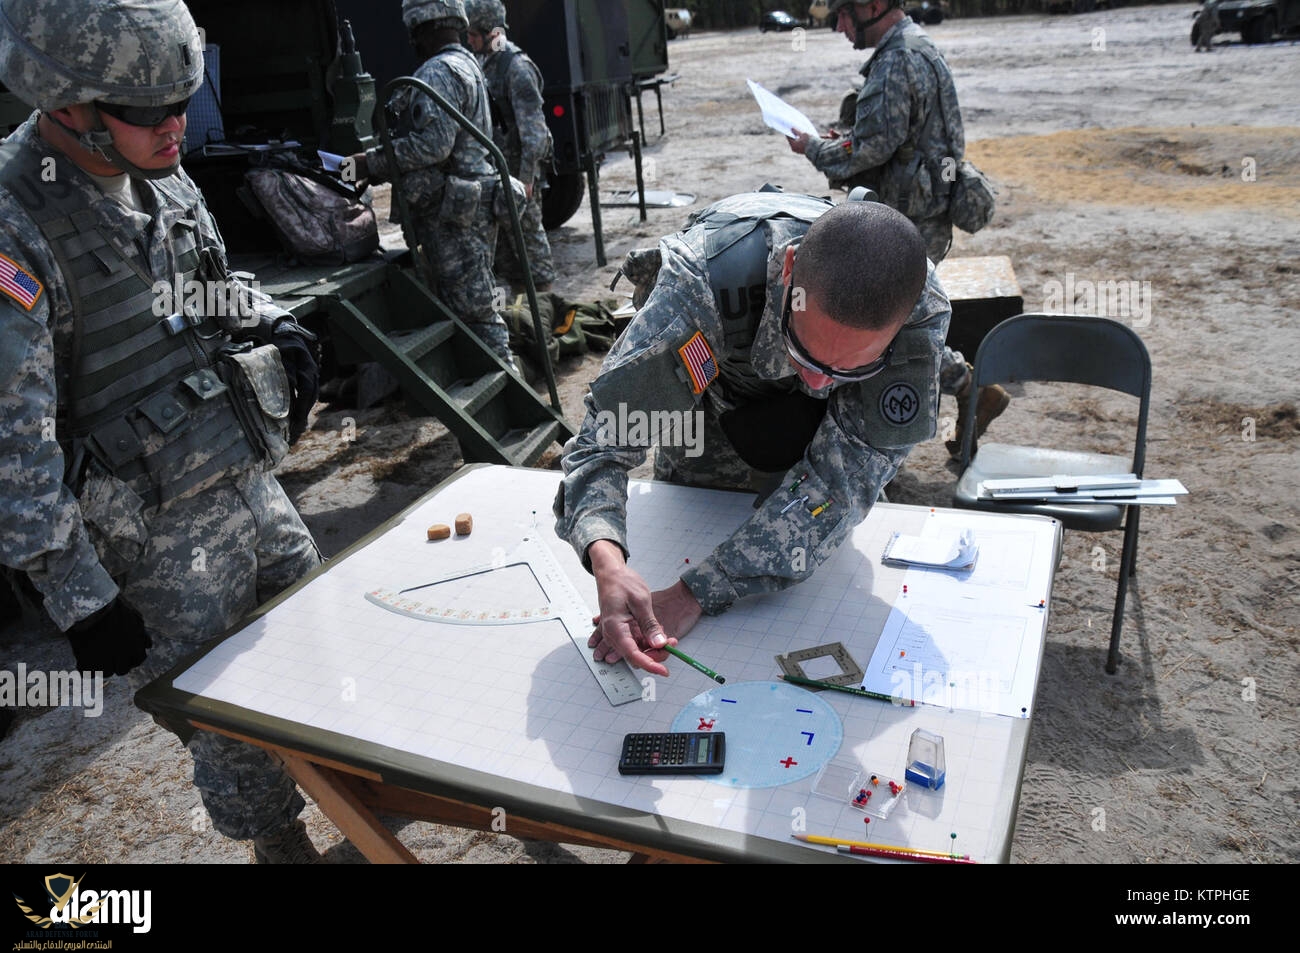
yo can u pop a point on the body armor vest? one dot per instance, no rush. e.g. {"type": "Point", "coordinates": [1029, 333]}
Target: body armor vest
{"type": "Point", "coordinates": [138, 392]}
{"type": "Point", "coordinates": [734, 242]}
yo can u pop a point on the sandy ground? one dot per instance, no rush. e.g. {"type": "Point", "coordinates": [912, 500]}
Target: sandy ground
{"type": "Point", "coordinates": [1120, 155]}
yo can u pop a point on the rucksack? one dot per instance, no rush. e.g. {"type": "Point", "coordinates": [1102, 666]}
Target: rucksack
{"type": "Point", "coordinates": [970, 206]}
{"type": "Point", "coordinates": [317, 221]}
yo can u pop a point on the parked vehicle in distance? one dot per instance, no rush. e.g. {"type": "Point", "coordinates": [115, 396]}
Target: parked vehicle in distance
{"type": "Point", "coordinates": [926, 12]}
{"type": "Point", "coordinates": [778, 20]}
{"type": "Point", "coordinates": [678, 22]}
{"type": "Point", "coordinates": [1257, 20]}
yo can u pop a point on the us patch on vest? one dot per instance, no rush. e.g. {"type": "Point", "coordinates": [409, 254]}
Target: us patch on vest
{"type": "Point", "coordinates": [19, 284]}
{"type": "Point", "coordinates": [700, 363]}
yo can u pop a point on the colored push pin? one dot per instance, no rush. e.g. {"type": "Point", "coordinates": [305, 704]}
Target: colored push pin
{"type": "Point", "coordinates": [866, 820]}
{"type": "Point", "coordinates": [901, 653]}
{"type": "Point", "coordinates": [954, 843]}
{"type": "Point", "coordinates": [875, 780]}
{"type": "Point", "coordinates": [905, 590]}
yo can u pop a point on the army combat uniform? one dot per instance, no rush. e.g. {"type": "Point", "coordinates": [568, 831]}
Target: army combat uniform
{"type": "Point", "coordinates": [449, 181]}
{"type": "Point", "coordinates": [134, 453]}
{"type": "Point", "coordinates": [520, 132]}
{"type": "Point", "coordinates": [708, 340]}
{"type": "Point", "coordinates": [907, 126]}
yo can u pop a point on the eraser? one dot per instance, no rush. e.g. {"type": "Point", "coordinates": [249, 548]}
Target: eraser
{"type": "Point", "coordinates": [464, 523]}
{"type": "Point", "coordinates": [439, 531]}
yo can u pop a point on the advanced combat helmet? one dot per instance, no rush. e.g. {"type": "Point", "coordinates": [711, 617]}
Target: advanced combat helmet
{"type": "Point", "coordinates": [448, 13]}
{"type": "Point", "coordinates": [486, 15]}
{"type": "Point", "coordinates": [860, 40]}
{"type": "Point", "coordinates": [143, 53]}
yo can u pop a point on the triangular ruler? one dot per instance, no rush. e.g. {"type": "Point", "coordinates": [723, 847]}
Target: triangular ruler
{"type": "Point", "coordinates": [561, 602]}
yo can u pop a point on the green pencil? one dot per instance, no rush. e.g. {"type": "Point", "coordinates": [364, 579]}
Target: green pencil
{"type": "Point", "coordinates": [814, 683]}
{"type": "Point", "coordinates": [671, 650]}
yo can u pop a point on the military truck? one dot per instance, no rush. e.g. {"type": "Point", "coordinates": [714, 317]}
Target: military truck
{"type": "Point", "coordinates": [290, 73]}
{"type": "Point", "coordinates": [1258, 21]}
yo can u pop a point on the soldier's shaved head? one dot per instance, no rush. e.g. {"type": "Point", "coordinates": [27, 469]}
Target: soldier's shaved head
{"type": "Point", "coordinates": [863, 264]}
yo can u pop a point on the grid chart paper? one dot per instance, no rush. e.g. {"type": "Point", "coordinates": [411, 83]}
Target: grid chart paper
{"type": "Point", "coordinates": [517, 701]}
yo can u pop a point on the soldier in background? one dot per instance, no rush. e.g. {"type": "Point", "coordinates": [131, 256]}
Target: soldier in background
{"type": "Point", "coordinates": [1207, 24]}
{"type": "Point", "coordinates": [813, 390]}
{"type": "Point", "coordinates": [446, 176]}
{"type": "Point", "coordinates": [520, 131]}
{"type": "Point", "coordinates": [140, 428]}
{"type": "Point", "coordinates": [906, 132]}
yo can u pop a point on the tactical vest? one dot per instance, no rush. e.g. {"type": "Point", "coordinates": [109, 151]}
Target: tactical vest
{"type": "Point", "coordinates": [137, 392]}
{"type": "Point", "coordinates": [736, 247]}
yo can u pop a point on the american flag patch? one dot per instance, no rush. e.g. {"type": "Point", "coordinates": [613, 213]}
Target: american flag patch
{"type": "Point", "coordinates": [18, 284]}
{"type": "Point", "coordinates": [699, 361]}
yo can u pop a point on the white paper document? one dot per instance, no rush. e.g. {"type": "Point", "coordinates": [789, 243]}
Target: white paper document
{"type": "Point", "coordinates": [969, 639]}
{"type": "Point", "coordinates": [779, 114]}
{"type": "Point", "coordinates": [954, 550]}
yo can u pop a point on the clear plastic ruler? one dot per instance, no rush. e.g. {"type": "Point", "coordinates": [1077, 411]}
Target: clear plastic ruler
{"type": "Point", "coordinates": [563, 603]}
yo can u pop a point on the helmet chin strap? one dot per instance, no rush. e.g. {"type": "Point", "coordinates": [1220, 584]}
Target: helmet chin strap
{"type": "Point", "coordinates": [860, 35]}
{"type": "Point", "coordinates": [100, 140]}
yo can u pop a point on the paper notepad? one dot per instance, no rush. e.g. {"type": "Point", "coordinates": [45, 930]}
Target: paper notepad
{"type": "Point", "coordinates": [949, 551]}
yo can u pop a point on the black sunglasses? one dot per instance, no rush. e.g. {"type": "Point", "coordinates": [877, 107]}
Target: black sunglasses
{"type": "Point", "coordinates": [804, 359]}
{"type": "Point", "coordinates": [145, 116]}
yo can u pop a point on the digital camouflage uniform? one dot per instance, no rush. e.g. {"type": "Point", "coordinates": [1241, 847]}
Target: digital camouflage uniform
{"type": "Point", "coordinates": [110, 484]}
{"type": "Point", "coordinates": [1207, 24]}
{"type": "Point", "coordinates": [449, 181]}
{"type": "Point", "coordinates": [866, 431]}
{"type": "Point", "coordinates": [899, 151]}
{"type": "Point", "coordinates": [521, 133]}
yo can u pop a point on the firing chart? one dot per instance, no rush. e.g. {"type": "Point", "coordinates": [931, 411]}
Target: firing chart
{"type": "Point", "coordinates": [777, 733]}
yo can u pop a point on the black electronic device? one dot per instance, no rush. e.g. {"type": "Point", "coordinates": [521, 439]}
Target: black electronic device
{"type": "Point", "coordinates": [673, 752]}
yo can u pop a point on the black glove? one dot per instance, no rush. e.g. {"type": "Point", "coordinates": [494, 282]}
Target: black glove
{"type": "Point", "coordinates": [300, 354]}
{"type": "Point", "coordinates": [112, 641]}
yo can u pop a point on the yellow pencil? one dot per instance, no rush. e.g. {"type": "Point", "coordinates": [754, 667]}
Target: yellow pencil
{"type": "Point", "coordinates": [837, 841]}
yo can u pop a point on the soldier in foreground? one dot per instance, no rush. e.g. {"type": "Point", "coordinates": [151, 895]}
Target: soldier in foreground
{"type": "Point", "coordinates": [797, 344]}
{"type": "Point", "coordinates": [137, 437]}
{"type": "Point", "coordinates": [520, 132]}
{"type": "Point", "coordinates": [907, 127]}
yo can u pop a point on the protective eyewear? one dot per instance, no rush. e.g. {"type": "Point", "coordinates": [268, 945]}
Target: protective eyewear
{"type": "Point", "coordinates": [145, 116]}
{"type": "Point", "coordinates": [806, 360]}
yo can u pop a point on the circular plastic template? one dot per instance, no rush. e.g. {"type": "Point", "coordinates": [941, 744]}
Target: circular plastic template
{"type": "Point", "coordinates": [776, 732]}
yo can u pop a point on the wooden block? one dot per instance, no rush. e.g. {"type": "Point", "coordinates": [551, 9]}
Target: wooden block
{"type": "Point", "coordinates": [439, 531]}
{"type": "Point", "coordinates": [464, 524]}
{"type": "Point", "coordinates": [984, 293]}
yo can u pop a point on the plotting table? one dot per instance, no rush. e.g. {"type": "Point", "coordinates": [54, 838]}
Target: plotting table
{"type": "Point", "coordinates": [504, 726]}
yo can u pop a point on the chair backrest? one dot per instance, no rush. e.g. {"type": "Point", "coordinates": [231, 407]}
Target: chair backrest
{"type": "Point", "coordinates": [1066, 348]}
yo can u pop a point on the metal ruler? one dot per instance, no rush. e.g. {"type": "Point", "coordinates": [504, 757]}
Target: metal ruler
{"type": "Point", "coordinates": [563, 604]}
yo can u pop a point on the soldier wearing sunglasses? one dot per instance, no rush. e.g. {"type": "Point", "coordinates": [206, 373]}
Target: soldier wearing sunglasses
{"type": "Point", "coordinates": [803, 341]}
{"type": "Point", "coordinates": [138, 432]}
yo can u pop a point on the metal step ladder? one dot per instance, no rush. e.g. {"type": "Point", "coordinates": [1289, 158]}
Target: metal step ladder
{"type": "Point", "coordinates": [443, 368]}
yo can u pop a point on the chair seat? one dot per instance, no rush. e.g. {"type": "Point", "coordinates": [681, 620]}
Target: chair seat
{"type": "Point", "coordinates": [1000, 461]}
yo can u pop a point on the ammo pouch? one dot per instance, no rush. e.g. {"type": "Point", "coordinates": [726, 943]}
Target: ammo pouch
{"type": "Point", "coordinates": [260, 391]}
{"type": "Point", "coordinates": [113, 515]}
{"type": "Point", "coordinates": [460, 201]}
{"type": "Point", "coordinates": [500, 211]}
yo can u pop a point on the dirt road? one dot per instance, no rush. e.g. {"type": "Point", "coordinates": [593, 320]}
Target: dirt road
{"type": "Point", "coordinates": [1120, 155]}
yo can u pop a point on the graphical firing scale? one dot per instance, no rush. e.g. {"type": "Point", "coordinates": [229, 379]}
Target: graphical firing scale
{"type": "Point", "coordinates": [563, 603]}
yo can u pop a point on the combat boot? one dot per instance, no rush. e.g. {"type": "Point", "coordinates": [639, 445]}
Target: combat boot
{"type": "Point", "coordinates": [991, 402]}
{"type": "Point", "coordinates": [291, 845]}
